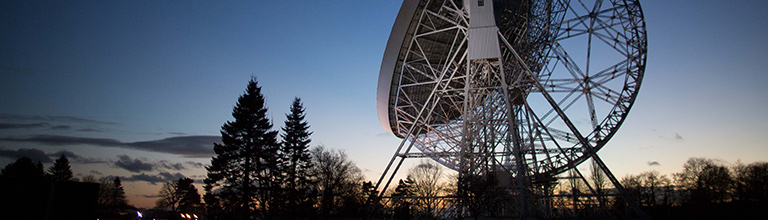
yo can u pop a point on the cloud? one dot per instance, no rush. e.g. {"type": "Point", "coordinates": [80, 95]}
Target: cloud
{"type": "Point", "coordinates": [195, 164]}
{"type": "Point", "coordinates": [384, 134]}
{"type": "Point", "coordinates": [57, 140]}
{"type": "Point", "coordinates": [69, 154]}
{"type": "Point", "coordinates": [153, 179]}
{"type": "Point", "coordinates": [22, 125]}
{"type": "Point", "coordinates": [38, 118]}
{"type": "Point", "coordinates": [189, 146]}
{"type": "Point", "coordinates": [171, 166]}
{"type": "Point", "coordinates": [61, 127]}
{"type": "Point", "coordinates": [34, 154]}
{"type": "Point", "coordinates": [137, 165]}
{"type": "Point", "coordinates": [669, 136]}
{"type": "Point", "coordinates": [134, 165]}
{"type": "Point", "coordinates": [150, 196]}
{"type": "Point", "coordinates": [192, 146]}
{"type": "Point", "coordinates": [653, 163]}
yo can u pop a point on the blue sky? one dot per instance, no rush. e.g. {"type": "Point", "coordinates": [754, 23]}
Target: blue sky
{"type": "Point", "coordinates": [136, 88]}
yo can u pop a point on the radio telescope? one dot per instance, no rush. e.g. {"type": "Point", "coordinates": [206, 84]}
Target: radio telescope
{"type": "Point", "coordinates": [524, 88]}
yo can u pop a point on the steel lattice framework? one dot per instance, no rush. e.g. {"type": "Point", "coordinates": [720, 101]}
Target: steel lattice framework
{"type": "Point", "coordinates": [566, 75]}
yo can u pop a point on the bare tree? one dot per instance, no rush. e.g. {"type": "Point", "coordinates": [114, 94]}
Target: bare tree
{"type": "Point", "coordinates": [339, 181]}
{"type": "Point", "coordinates": [652, 186]}
{"type": "Point", "coordinates": [706, 180]}
{"type": "Point", "coordinates": [179, 195]}
{"type": "Point", "coordinates": [428, 183]}
{"type": "Point", "coordinates": [169, 198]}
{"type": "Point", "coordinates": [599, 180]}
{"type": "Point", "coordinates": [692, 168]}
{"type": "Point", "coordinates": [576, 187]}
{"type": "Point", "coordinates": [751, 182]}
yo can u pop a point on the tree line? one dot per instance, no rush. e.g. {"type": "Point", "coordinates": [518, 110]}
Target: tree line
{"type": "Point", "coordinates": [256, 175]}
{"type": "Point", "coordinates": [258, 172]}
{"type": "Point", "coordinates": [110, 201]}
{"type": "Point", "coordinates": [705, 188]}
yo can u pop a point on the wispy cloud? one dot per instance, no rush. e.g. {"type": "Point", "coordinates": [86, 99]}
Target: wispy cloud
{"type": "Point", "coordinates": [22, 125]}
{"type": "Point", "coordinates": [678, 137]}
{"type": "Point", "coordinates": [384, 134]}
{"type": "Point", "coordinates": [61, 127]}
{"type": "Point", "coordinates": [51, 119]}
{"type": "Point", "coordinates": [139, 165]}
{"type": "Point", "coordinates": [195, 164]}
{"type": "Point", "coordinates": [34, 154]}
{"type": "Point", "coordinates": [152, 179]}
{"type": "Point", "coordinates": [189, 146]}
{"type": "Point", "coordinates": [58, 140]}
{"type": "Point", "coordinates": [669, 135]}
{"type": "Point", "coordinates": [170, 166]}
{"type": "Point", "coordinates": [133, 165]}
{"type": "Point", "coordinates": [74, 158]}
{"type": "Point", "coordinates": [69, 154]}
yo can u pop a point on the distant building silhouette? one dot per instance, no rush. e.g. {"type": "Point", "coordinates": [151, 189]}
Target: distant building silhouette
{"type": "Point", "coordinates": [45, 199]}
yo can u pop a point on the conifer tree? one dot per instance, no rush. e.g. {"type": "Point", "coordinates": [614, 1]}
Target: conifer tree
{"type": "Point", "coordinates": [118, 195]}
{"type": "Point", "coordinates": [297, 162]}
{"type": "Point", "coordinates": [61, 171]}
{"type": "Point", "coordinates": [244, 172]}
{"type": "Point", "coordinates": [190, 198]}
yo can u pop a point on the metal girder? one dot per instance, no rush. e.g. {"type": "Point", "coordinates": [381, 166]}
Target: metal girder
{"type": "Point", "coordinates": [568, 74]}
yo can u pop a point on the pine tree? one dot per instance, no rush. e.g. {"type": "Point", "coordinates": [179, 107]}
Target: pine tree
{"type": "Point", "coordinates": [190, 198]}
{"type": "Point", "coordinates": [118, 200]}
{"type": "Point", "coordinates": [297, 162]}
{"type": "Point", "coordinates": [244, 173]}
{"type": "Point", "coordinates": [61, 171]}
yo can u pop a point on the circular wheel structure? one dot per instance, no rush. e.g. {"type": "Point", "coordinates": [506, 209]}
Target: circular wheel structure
{"type": "Point", "coordinates": [526, 87]}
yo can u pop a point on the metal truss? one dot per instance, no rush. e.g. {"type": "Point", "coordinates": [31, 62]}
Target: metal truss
{"type": "Point", "coordinates": [568, 74]}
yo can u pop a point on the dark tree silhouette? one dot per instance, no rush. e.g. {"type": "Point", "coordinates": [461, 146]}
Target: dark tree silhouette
{"type": "Point", "coordinates": [751, 182]}
{"type": "Point", "coordinates": [402, 205]}
{"type": "Point", "coordinates": [706, 180]}
{"type": "Point", "coordinates": [427, 182]}
{"type": "Point", "coordinates": [339, 182]}
{"type": "Point", "coordinates": [169, 197]}
{"type": "Point", "coordinates": [297, 163]}
{"type": "Point", "coordinates": [24, 169]}
{"type": "Point", "coordinates": [713, 184]}
{"type": "Point", "coordinates": [190, 198]}
{"type": "Point", "coordinates": [179, 195]}
{"type": "Point", "coordinates": [481, 194]}
{"type": "Point", "coordinates": [244, 173]}
{"type": "Point", "coordinates": [111, 202]}
{"type": "Point", "coordinates": [61, 171]}
{"type": "Point", "coordinates": [118, 195]}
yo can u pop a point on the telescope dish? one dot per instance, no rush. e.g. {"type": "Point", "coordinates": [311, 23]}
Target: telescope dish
{"type": "Point", "coordinates": [532, 88]}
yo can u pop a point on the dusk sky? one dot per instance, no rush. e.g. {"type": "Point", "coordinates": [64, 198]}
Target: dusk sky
{"type": "Point", "coordinates": [140, 89]}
